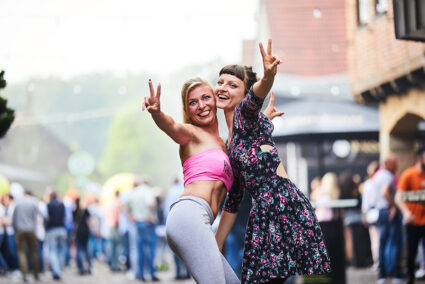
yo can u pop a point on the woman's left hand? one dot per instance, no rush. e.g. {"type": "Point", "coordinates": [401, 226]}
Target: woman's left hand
{"type": "Point", "coordinates": [271, 111]}
{"type": "Point", "coordinates": [270, 61]}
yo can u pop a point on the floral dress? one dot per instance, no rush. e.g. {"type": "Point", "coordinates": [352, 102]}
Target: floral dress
{"type": "Point", "coordinates": [283, 237]}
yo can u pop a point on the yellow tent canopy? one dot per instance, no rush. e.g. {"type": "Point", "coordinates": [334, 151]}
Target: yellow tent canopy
{"type": "Point", "coordinates": [4, 185]}
{"type": "Point", "coordinates": [122, 182]}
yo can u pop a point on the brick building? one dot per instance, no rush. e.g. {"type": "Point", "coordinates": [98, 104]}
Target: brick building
{"type": "Point", "coordinates": [345, 50]}
{"type": "Point", "coordinates": [389, 71]}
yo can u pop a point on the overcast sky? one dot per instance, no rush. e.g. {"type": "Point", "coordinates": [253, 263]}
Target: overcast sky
{"type": "Point", "coordinates": [71, 37]}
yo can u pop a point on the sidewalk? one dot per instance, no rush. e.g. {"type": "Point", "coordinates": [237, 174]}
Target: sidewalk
{"type": "Point", "coordinates": [102, 275]}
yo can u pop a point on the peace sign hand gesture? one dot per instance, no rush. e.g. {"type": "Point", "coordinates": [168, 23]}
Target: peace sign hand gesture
{"type": "Point", "coordinates": [270, 61]}
{"type": "Point", "coordinates": [152, 103]}
{"type": "Point", "coordinates": [271, 111]}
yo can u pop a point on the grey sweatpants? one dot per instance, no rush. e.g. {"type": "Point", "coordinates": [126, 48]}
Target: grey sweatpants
{"type": "Point", "coordinates": [190, 236]}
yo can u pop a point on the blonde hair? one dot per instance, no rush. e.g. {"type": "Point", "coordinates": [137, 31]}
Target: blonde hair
{"type": "Point", "coordinates": [330, 185]}
{"type": "Point", "coordinates": [189, 86]}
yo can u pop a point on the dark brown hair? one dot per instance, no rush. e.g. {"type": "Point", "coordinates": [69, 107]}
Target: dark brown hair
{"type": "Point", "coordinates": [244, 73]}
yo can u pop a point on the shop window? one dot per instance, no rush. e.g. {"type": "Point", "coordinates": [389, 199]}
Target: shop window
{"type": "Point", "coordinates": [363, 12]}
{"type": "Point", "coordinates": [381, 6]}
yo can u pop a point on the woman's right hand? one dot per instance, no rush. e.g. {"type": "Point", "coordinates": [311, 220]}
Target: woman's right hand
{"type": "Point", "coordinates": [152, 103]}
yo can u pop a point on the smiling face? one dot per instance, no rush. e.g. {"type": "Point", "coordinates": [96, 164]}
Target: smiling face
{"type": "Point", "coordinates": [229, 91]}
{"type": "Point", "coordinates": [201, 106]}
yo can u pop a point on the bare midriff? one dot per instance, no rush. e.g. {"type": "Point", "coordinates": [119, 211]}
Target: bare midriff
{"type": "Point", "coordinates": [212, 191]}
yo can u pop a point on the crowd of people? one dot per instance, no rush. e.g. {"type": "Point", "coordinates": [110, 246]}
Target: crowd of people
{"type": "Point", "coordinates": [42, 236]}
{"type": "Point", "coordinates": [395, 223]}
{"type": "Point", "coordinates": [127, 233]}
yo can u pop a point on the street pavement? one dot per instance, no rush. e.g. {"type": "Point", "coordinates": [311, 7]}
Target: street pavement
{"type": "Point", "coordinates": [102, 275]}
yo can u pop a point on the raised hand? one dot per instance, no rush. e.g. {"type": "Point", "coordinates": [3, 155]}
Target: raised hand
{"type": "Point", "coordinates": [271, 111]}
{"type": "Point", "coordinates": [152, 103]}
{"type": "Point", "coordinates": [270, 61]}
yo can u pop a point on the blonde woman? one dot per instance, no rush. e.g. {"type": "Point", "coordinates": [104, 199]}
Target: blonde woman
{"type": "Point", "coordinates": [207, 178]}
{"type": "Point", "coordinates": [327, 191]}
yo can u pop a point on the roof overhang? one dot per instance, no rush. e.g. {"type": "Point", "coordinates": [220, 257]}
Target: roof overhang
{"type": "Point", "coordinates": [312, 120]}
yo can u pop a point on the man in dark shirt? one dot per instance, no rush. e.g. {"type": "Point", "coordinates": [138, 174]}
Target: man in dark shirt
{"type": "Point", "coordinates": [56, 235]}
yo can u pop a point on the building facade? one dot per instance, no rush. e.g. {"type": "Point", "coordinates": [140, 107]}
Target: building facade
{"type": "Point", "coordinates": [387, 71]}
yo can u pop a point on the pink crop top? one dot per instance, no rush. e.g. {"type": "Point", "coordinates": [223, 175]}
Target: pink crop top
{"type": "Point", "coordinates": [211, 164]}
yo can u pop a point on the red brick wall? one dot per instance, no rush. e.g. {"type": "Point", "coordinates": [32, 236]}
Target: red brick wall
{"type": "Point", "coordinates": [375, 56]}
{"type": "Point", "coordinates": [310, 46]}
{"type": "Point", "coordinates": [248, 52]}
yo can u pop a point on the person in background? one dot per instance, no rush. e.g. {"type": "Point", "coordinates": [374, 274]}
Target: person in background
{"type": "Point", "coordinates": [368, 203]}
{"type": "Point", "coordinates": [124, 231]}
{"type": "Point", "coordinates": [3, 265]}
{"type": "Point", "coordinates": [69, 226]}
{"type": "Point", "coordinates": [81, 217]}
{"type": "Point", "coordinates": [56, 235]}
{"type": "Point", "coordinates": [11, 255]}
{"type": "Point", "coordinates": [411, 180]}
{"type": "Point", "coordinates": [352, 219]}
{"type": "Point", "coordinates": [24, 222]}
{"type": "Point", "coordinates": [162, 246]}
{"type": "Point", "coordinates": [141, 209]}
{"type": "Point", "coordinates": [95, 239]}
{"type": "Point", "coordinates": [173, 195]}
{"type": "Point", "coordinates": [112, 215]}
{"type": "Point", "coordinates": [327, 190]}
{"type": "Point", "coordinates": [389, 222]}
{"type": "Point", "coordinates": [40, 233]}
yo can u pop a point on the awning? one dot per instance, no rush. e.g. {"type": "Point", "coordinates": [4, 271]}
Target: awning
{"type": "Point", "coordinates": [314, 119]}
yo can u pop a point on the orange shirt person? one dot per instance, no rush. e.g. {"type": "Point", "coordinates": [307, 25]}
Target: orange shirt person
{"type": "Point", "coordinates": [411, 180]}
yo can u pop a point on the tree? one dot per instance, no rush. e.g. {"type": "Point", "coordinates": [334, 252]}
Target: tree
{"type": "Point", "coordinates": [7, 115]}
{"type": "Point", "coordinates": [136, 145]}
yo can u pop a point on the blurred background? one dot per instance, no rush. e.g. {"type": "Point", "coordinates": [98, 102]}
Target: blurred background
{"type": "Point", "coordinates": [352, 86]}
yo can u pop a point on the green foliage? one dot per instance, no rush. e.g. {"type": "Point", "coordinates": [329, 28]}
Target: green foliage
{"type": "Point", "coordinates": [137, 145]}
{"type": "Point", "coordinates": [7, 116]}
{"type": "Point", "coordinates": [67, 100]}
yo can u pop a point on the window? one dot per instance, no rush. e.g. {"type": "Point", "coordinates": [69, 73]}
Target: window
{"type": "Point", "coordinates": [362, 12]}
{"type": "Point", "coordinates": [381, 6]}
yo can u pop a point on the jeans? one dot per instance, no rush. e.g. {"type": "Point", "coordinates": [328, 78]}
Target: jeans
{"type": "Point", "coordinates": [56, 240]}
{"type": "Point", "coordinates": [146, 244]}
{"type": "Point", "coordinates": [390, 244]}
{"type": "Point", "coordinates": [11, 255]}
{"type": "Point", "coordinates": [181, 270]}
{"type": "Point", "coordinates": [3, 264]}
{"type": "Point", "coordinates": [125, 241]}
{"type": "Point", "coordinates": [83, 252]}
{"type": "Point", "coordinates": [114, 252]}
{"type": "Point", "coordinates": [233, 248]}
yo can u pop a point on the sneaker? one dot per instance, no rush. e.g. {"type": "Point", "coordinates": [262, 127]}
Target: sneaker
{"type": "Point", "coordinates": [420, 273]}
{"type": "Point", "coordinates": [380, 281]}
{"type": "Point", "coordinates": [398, 280]}
{"type": "Point", "coordinates": [374, 268]}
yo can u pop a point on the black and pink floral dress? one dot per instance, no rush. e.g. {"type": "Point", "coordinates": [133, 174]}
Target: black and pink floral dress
{"type": "Point", "coordinates": [283, 237]}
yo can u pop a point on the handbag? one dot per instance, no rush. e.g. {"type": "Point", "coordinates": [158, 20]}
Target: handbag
{"type": "Point", "coordinates": [372, 215]}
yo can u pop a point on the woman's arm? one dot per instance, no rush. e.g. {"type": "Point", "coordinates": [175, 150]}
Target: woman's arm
{"type": "Point", "coordinates": [262, 87]}
{"type": "Point", "coordinates": [180, 133]}
{"type": "Point", "coordinates": [227, 220]}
